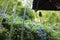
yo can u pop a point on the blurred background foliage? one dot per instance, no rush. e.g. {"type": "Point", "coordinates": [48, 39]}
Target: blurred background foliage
{"type": "Point", "coordinates": [46, 27]}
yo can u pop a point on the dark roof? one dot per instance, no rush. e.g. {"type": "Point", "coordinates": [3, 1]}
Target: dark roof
{"type": "Point", "coordinates": [45, 5]}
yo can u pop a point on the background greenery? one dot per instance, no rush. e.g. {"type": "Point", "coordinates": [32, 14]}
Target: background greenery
{"type": "Point", "coordinates": [46, 27]}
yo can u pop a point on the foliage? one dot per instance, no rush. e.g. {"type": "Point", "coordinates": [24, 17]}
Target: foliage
{"type": "Point", "coordinates": [44, 28]}
{"type": "Point", "coordinates": [3, 33]}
